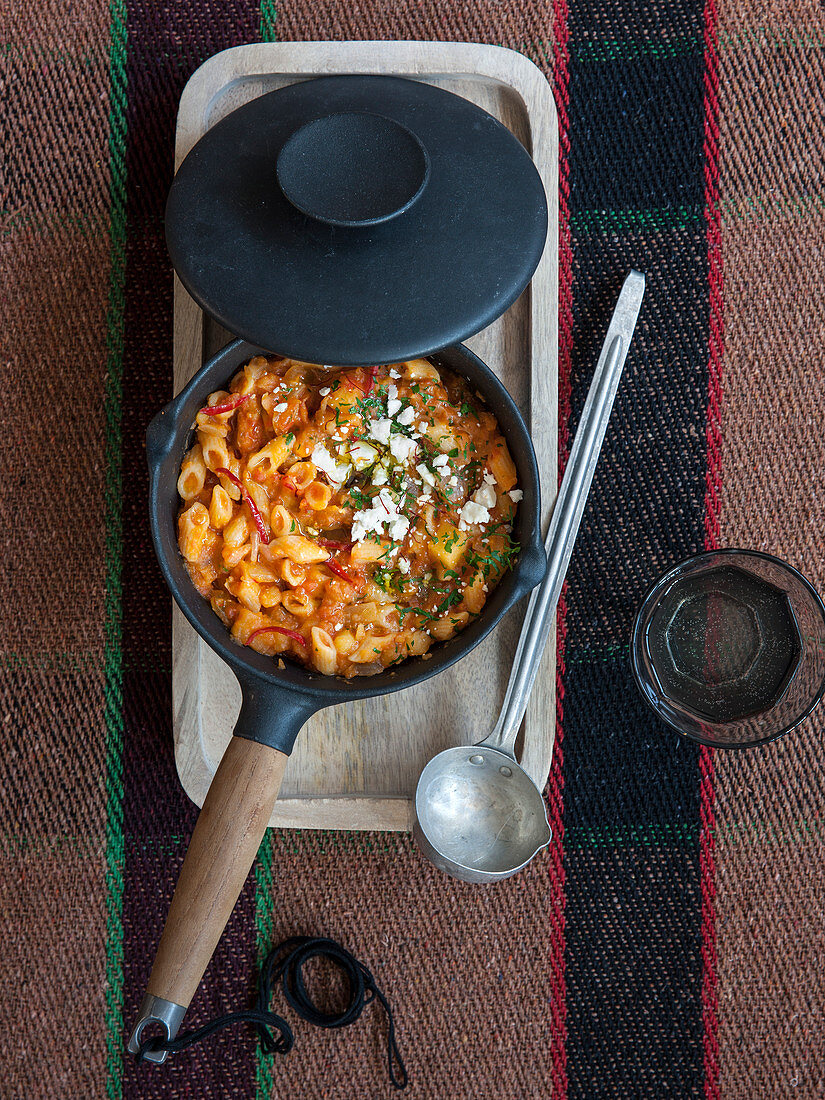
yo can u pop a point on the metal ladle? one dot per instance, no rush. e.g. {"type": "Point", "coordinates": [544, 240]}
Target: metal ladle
{"type": "Point", "coordinates": [478, 815]}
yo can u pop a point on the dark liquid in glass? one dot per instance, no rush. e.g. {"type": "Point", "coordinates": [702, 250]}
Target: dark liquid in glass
{"type": "Point", "coordinates": [724, 644]}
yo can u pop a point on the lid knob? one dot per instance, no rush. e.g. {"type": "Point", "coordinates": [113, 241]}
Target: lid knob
{"type": "Point", "coordinates": [353, 169]}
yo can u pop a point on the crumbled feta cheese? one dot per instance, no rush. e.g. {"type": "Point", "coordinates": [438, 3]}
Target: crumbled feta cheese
{"type": "Point", "coordinates": [407, 416]}
{"type": "Point", "coordinates": [472, 512]}
{"type": "Point", "coordinates": [425, 474]}
{"type": "Point", "coordinates": [399, 527]}
{"type": "Point", "coordinates": [403, 565]}
{"type": "Point", "coordinates": [394, 373]}
{"type": "Point", "coordinates": [324, 391]}
{"type": "Point", "coordinates": [279, 408]}
{"type": "Point", "coordinates": [392, 391]}
{"type": "Point", "coordinates": [336, 472]}
{"type": "Point", "coordinates": [441, 462]}
{"type": "Point", "coordinates": [402, 448]}
{"type": "Point", "coordinates": [362, 454]}
{"type": "Point", "coordinates": [383, 513]}
{"type": "Point", "coordinates": [393, 405]}
{"type": "Point", "coordinates": [380, 430]}
{"type": "Point", "coordinates": [485, 495]}
{"type": "Point", "coordinates": [515, 495]}
{"type": "Point", "coordinates": [453, 481]}
{"type": "Point", "coordinates": [380, 476]}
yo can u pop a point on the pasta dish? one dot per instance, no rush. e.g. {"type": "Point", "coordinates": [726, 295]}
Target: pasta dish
{"type": "Point", "coordinates": [346, 519]}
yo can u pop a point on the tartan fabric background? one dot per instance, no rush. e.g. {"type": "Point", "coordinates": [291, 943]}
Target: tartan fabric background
{"type": "Point", "coordinates": [672, 940]}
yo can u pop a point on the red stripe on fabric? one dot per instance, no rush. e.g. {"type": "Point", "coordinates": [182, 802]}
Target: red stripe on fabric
{"type": "Point", "coordinates": [555, 783]}
{"type": "Point", "coordinates": [710, 1018]}
{"type": "Point", "coordinates": [555, 803]}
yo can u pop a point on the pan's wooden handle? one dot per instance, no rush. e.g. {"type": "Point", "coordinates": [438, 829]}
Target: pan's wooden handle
{"type": "Point", "coordinates": [226, 838]}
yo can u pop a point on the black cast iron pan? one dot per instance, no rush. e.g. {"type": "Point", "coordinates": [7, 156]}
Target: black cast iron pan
{"type": "Point", "coordinates": [277, 702]}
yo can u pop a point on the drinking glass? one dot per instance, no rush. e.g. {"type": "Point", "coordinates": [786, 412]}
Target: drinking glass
{"type": "Point", "coordinates": [728, 648]}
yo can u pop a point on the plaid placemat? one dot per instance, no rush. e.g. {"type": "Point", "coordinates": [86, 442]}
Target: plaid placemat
{"type": "Point", "coordinates": [670, 943]}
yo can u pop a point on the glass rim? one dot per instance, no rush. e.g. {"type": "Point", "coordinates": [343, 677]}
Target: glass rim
{"type": "Point", "coordinates": [650, 598]}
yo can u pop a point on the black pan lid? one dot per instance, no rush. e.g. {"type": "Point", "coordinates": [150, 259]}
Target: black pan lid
{"type": "Point", "coordinates": [356, 220]}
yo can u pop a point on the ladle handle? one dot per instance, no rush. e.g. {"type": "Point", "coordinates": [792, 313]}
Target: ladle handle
{"type": "Point", "coordinates": [227, 836]}
{"type": "Point", "coordinates": [567, 513]}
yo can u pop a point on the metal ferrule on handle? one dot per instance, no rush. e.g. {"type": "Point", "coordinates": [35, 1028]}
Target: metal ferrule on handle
{"type": "Point", "coordinates": [567, 513]}
{"type": "Point", "coordinates": [155, 1010]}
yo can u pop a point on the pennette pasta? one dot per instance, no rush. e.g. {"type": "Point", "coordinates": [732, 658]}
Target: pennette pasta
{"type": "Point", "coordinates": [346, 519]}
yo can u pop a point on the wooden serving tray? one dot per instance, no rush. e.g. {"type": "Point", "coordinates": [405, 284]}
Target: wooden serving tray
{"type": "Point", "coordinates": [355, 766]}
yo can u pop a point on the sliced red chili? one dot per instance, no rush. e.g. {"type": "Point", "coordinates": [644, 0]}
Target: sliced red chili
{"type": "Point", "coordinates": [296, 637]}
{"type": "Point", "coordinates": [332, 544]}
{"type": "Point", "coordinates": [226, 406]}
{"type": "Point", "coordinates": [290, 484]}
{"type": "Point", "coordinates": [228, 473]}
{"type": "Point", "coordinates": [338, 570]}
{"type": "Point", "coordinates": [257, 517]}
{"type": "Point", "coordinates": [253, 508]}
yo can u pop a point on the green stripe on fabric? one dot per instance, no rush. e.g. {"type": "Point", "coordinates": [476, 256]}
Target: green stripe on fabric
{"type": "Point", "coordinates": [757, 208]}
{"type": "Point", "coordinates": [602, 51]}
{"type": "Point", "coordinates": [624, 221]}
{"type": "Point", "coordinates": [627, 49]}
{"type": "Point", "coordinates": [760, 208]}
{"type": "Point", "coordinates": [769, 38]}
{"type": "Point", "coordinates": [617, 651]}
{"type": "Point", "coordinates": [757, 834]}
{"type": "Point", "coordinates": [269, 15]}
{"type": "Point", "coordinates": [113, 670]}
{"type": "Point", "coordinates": [263, 938]}
{"type": "Point", "coordinates": [679, 834]}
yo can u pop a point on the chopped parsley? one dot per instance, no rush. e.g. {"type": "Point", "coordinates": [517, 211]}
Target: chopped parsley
{"type": "Point", "coordinates": [450, 541]}
{"type": "Point", "coordinates": [426, 615]}
{"type": "Point", "coordinates": [495, 561]}
{"type": "Point", "coordinates": [388, 578]}
{"type": "Point", "coordinates": [357, 499]}
{"type": "Point", "coordinates": [373, 401]}
{"type": "Point", "coordinates": [453, 598]}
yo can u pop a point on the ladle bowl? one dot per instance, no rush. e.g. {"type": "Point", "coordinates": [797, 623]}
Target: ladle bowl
{"type": "Point", "coordinates": [479, 815]}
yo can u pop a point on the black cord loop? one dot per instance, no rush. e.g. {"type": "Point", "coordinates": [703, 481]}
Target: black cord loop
{"type": "Point", "coordinates": [285, 963]}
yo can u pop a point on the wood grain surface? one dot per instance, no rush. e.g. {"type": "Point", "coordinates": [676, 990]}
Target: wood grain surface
{"type": "Point", "coordinates": [355, 766]}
